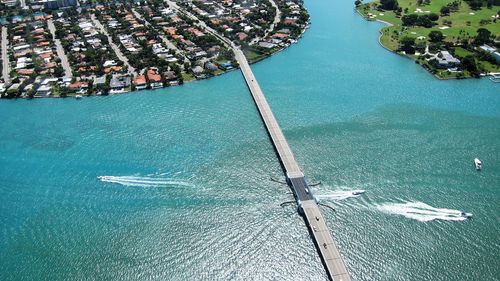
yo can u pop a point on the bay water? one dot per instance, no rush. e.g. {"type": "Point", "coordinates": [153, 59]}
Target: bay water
{"type": "Point", "coordinates": [174, 184]}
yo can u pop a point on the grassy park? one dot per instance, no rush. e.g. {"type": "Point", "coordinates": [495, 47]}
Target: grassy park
{"type": "Point", "coordinates": [454, 25]}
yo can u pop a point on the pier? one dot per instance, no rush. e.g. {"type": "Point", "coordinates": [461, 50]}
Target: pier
{"type": "Point", "coordinates": [307, 204]}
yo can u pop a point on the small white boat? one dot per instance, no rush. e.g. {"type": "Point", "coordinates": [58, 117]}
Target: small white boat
{"type": "Point", "coordinates": [478, 164]}
{"type": "Point", "coordinates": [358, 192]}
{"type": "Point", "coordinates": [78, 97]}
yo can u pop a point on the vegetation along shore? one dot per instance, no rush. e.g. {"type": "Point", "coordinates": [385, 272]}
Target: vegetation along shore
{"type": "Point", "coordinates": [450, 38]}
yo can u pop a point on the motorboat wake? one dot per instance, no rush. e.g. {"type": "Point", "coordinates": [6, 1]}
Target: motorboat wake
{"type": "Point", "coordinates": [423, 212]}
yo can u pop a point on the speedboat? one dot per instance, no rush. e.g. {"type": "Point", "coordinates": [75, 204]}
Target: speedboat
{"type": "Point", "coordinates": [465, 215]}
{"type": "Point", "coordinates": [358, 192]}
{"type": "Point", "coordinates": [478, 164]}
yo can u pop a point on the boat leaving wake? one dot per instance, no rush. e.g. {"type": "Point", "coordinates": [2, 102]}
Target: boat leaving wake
{"type": "Point", "coordinates": [144, 181]}
{"type": "Point", "coordinates": [422, 212]}
{"type": "Point", "coordinates": [342, 194]}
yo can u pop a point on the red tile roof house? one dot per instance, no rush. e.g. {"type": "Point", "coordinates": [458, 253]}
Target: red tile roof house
{"type": "Point", "coordinates": [195, 31]}
{"type": "Point", "coordinates": [154, 79]}
{"type": "Point", "coordinates": [281, 35]}
{"type": "Point", "coordinates": [79, 87]}
{"type": "Point", "coordinates": [25, 72]}
{"type": "Point", "coordinates": [170, 30]}
{"type": "Point", "coordinates": [289, 21]}
{"type": "Point", "coordinates": [241, 36]}
{"type": "Point", "coordinates": [140, 82]}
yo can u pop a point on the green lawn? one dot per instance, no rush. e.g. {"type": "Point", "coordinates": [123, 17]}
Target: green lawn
{"type": "Point", "coordinates": [186, 77]}
{"type": "Point", "coordinates": [461, 52]}
{"type": "Point", "coordinates": [218, 72]}
{"type": "Point", "coordinates": [464, 24]}
{"type": "Point", "coordinates": [254, 55]}
{"type": "Point", "coordinates": [461, 20]}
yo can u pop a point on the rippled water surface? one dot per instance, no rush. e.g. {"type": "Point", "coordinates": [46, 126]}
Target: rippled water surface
{"type": "Point", "coordinates": [174, 184]}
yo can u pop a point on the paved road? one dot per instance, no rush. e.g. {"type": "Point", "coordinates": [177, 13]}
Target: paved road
{"type": "Point", "coordinates": [214, 32]}
{"type": "Point", "coordinates": [276, 20]}
{"type": "Point", "coordinates": [334, 264]}
{"type": "Point", "coordinates": [326, 245]}
{"type": "Point", "coordinates": [115, 48]}
{"type": "Point", "coordinates": [5, 56]}
{"type": "Point", "coordinates": [60, 50]}
{"type": "Point", "coordinates": [329, 253]}
{"type": "Point", "coordinates": [284, 151]}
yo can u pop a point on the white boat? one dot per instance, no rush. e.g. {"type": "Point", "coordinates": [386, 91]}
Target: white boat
{"type": "Point", "coordinates": [358, 192]}
{"type": "Point", "coordinates": [78, 97]}
{"type": "Point", "coordinates": [478, 164]}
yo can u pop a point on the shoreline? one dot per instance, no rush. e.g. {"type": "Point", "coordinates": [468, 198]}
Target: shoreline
{"type": "Point", "coordinates": [388, 24]}
{"type": "Point", "coordinates": [265, 56]}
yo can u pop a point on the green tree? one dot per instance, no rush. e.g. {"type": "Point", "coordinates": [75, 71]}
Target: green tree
{"type": "Point", "coordinates": [433, 16]}
{"type": "Point", "coordinates": [475, 4]}
{"type": "Point", "coordinates": [409, 20]}
{"type": "Point", "coordinates": [445, 11]}
{"type": "Point", "coordinates": [390, 5]}
{"type": "Point", "coordinates": [482, 37]}
{"type": "Point", "coordinates": [406, 44]}
{"type": "Point", "coordinates": [469, 63]}
{"type": "Point", "coordinates": [436, 36]}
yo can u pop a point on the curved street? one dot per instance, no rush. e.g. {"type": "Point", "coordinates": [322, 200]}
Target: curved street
{"type": "Point", "coordinates": [277, 18]}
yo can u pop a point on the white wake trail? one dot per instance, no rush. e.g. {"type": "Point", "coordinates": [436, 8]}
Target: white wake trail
{"type": "Point", "coordinates": [423, 212]}
{"type": "Point", "coordinates": [144, 181]}
{"type": "Point", "coordinates": [341, 194]}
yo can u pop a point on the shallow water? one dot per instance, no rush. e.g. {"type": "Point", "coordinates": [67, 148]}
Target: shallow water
{"type": "Point", "coordinates": [356, 116]}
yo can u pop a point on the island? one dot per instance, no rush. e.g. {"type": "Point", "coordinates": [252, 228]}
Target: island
{"type": "Point", "coordinates": [449, 38]}
{"type": "Point", "coordinates": [82, 48]}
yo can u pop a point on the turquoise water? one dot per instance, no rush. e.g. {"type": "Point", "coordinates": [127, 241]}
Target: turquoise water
{"type": "Point", "coordinates": [187, 196]}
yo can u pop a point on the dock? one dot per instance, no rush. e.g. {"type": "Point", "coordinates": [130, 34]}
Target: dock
{"type": "Point", "coordinates": [307, 203]}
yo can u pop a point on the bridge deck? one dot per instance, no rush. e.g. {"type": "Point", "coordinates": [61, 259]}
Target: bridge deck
{"type": "Point", "coordinates": [329, 253]}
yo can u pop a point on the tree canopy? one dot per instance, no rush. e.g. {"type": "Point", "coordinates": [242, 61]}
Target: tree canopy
{"type": "Point", "coordinates": [389, 4]}
{"type": "Point", "coordinates": [436, 36]}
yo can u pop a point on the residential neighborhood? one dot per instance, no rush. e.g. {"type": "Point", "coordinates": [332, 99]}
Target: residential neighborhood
{"type": "Point", "coordinates": [82, 48]}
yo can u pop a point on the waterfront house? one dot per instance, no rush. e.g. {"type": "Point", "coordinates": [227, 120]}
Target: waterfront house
{"type": "Point", "coordinates": [492, 50]}
{"type": "Point", "coordinates": [171, 78]}
{"type": "Point", "coordinates": [211, 67]}
{"type": "Point", "coordinates": [140, 82]}
{"type": "Point", "coordinates": [445, 60]}
{"type": "Point", "coordinates": [43, 91]}
{"type": "Point", "coordinates": [80, 87]}
{"type": "Point", "coordinates": [226, 65]}
{"type": "Point", "coordinates": [267, 45]}
{"type": "Point", "coordinates": [120, 84]}
{"type": "Point", "coordinates": [154, 78]}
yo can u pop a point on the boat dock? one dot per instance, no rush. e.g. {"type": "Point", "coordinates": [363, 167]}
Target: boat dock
{"type": "Point", "coordinates": [308, 206]}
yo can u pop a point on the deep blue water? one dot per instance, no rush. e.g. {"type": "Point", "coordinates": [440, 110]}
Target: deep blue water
{"type": "Point", "coordinates": [187, 194]}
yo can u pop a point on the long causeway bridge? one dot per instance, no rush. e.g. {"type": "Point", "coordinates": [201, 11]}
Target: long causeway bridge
{"type": "Point", "coordinates": [307, 203]}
